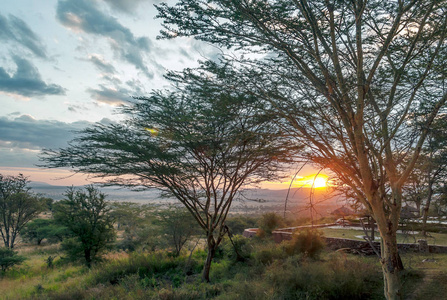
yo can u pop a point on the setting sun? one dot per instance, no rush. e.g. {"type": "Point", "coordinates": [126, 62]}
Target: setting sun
{"type": "Point", "coordinates": [317, 181]}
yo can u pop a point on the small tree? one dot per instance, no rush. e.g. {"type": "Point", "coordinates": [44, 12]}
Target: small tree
{"type": "Point", "coordinates": [200, 144]}
{"type": "Point", "coordinates": [86, 215]}
{"type": "Point", "coordinates": [136, 221]}
{"type": "Point", "coordinates": [269, 222]}
{"type": "Point", "coordinates": [9, 258]}
{"type": "Point", "coordinates": [40, 229]}
{"type": "Point", "coordinates": [177, 227]}
{"type": "Point", "coordinates": [431, 169]}
{"type": "Point", "coordinates": [18, 206]}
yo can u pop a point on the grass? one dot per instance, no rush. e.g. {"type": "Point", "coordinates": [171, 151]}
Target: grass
{"type": "Point", "coordinates": [269, 271]}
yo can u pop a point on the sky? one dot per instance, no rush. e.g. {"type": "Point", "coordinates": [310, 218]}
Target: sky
{"type": "Point", "coordinates": [66, 64]}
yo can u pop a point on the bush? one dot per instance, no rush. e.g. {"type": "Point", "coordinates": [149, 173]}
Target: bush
{"type": "Point", "coordinates": [307, 242]}
{"type": "Point", "coordinates": [336, 278]}
{"type": "Point", "coordinates": [40, 229]}
{"type": "Point", "coordinates": [265, 254]}
{"type": "Point", "coordinates": [160, 266]}
{"type": "Point", "coordinates": [238, 224]}
{"type": "Point", "coordinates": [238, 250]}
{"type": "Point", "coordinates": [9, 258]}
{"type": "Point", "coordinates": [87, 217]}
{"type": "Point", "coordinates": [269, 222]}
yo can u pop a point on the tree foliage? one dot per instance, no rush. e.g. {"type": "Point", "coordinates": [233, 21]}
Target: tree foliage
{"type": "Point", "coordinates": [199, 144]}
{"type": "Point", "coordinates": [359, 82]}
{"type": "Point", "coordinates": [137, 222]}
{"type": "Point", "coordinates": [39, 229]}
{"type": "Point", "coordinates": [9, 258]}
{"type": "Point", "coordinates": [86, 215]}
{"type": "Point", "coordinates": [176, 227]}
{"type": "Point", "coordinates": [18, 206]}
{"type": "Point", "coordinates": [426, 184]}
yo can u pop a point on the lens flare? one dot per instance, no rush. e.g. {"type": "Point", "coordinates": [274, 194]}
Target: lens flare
{"type": "Point", "coordinates": [153, 131]}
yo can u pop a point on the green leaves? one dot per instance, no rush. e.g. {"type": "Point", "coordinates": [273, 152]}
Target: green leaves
{"type": "Point", "coordinates": [86, 215]}
{"type": "Point", "coordinates": [18, 206]}
{"type": "Point", "coordinates": [9, 258]}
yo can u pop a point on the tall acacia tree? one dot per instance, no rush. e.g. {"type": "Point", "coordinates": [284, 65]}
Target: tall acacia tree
{"type": "Point", "coordinates": [347, 75]}
{"type": "Point", "coordinates": [198, 144]}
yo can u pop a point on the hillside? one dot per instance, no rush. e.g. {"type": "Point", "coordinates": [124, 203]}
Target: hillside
{"type": "Point", "coordinates": [250, 201]}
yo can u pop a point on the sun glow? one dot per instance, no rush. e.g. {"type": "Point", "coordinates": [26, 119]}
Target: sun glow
{"type": "Point", "coordinates": [315, 181]}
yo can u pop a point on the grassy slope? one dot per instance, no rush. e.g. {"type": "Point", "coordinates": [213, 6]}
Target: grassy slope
{"type": "Point", "coordinates": [268, 274]}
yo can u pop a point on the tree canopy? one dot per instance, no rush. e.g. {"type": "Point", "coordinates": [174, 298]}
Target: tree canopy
{"type": "Point", "coordinates": [197, 143]}
{"type": "Point", "coordinates": [18, 206]}
{"type": "Point", "coordinates": [85, 214]}
{"type": "Point", "coordinates": [358, 82]}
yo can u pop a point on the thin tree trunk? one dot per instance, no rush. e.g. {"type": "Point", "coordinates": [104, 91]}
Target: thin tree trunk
{"type": "Point", "coordinates": [88, 258]}
{"type": "Point", "coordinates": [6, 240]}
{"type": "Point", "coordinates": [372, 225]}
{"type": "Point", "coordinates": [207, 266]}
{"type": "Point", "coordinates": [426, 208]}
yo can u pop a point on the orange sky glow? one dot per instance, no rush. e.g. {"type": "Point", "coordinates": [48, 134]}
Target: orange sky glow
{"type": "Point", "coordinates": [66, 178]}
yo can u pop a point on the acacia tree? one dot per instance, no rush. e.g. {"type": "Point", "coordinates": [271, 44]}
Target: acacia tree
{"type": "Point", "coordinates": [432, 168]}
{"type": "Point", "coordinates": [198, 144]}
{"type": "Point", "coordinates": [176, 227]}
{"type": "Point", "coordinates": [18, 206]}
{"type": "Point", "coordinates": [86, 216]}
{"type": "Point", "coordinates": [346, 75]}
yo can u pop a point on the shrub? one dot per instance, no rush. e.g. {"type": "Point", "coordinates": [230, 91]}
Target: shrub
{"type": "Point", "coordinates": [336, 278]}
{"type": "Point", "coordinates": [238, 250]}
{"type": "Point", "coordinates": [40, 229]}
{"type": "Point", "coordinates": [265, 254]}
{"type": "Point", "coordinates": [269, 222]}
{"type": "Point", "coordinates": [86, 215]}
{"type": "Point", "coordinates": [9, 258]}
{"type": "Point", "coordinates": [307, 242]}
{"type": "Point", "coordinates": [163, 267]}
{"type": "Point", "coordinates": [237, 224]}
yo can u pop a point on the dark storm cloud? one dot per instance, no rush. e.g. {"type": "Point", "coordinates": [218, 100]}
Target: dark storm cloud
{"type": "Point", "coordinates": [112, 96]}
{"type": "Point", "coordinates": [27, 81]}
{"type": "Point", "coordinates": [85, 16]}
{"type": "Point", "coordinates": [15, 30]}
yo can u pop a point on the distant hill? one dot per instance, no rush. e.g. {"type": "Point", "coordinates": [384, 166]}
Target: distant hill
{"type": "Point", "coordinates": [248, 201]}
{"type": "Point", "coordinates": [56, 192]}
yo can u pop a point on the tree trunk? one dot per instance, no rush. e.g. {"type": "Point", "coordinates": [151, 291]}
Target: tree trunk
{"type": "Point", "coordinates": [426, 208]}
{"type": "Point", "coordinates": [391, 266]}
{"type": "Point", "coordinates": [6, 239]}
{"type": "Point", "coordinates": [211, 251]}
{"type": "Point", "coordinates": [88, 258]}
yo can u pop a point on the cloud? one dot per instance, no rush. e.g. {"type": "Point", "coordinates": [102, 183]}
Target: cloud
{"type": "Point", "coordinates": [110, 95]}
{"type": "Point", "coordinates": [27, 81]}
{"type": "Point", "coordinates": [15, 30]}
{"type": "Point", "coordinates": [84, 16]}
{"type": "Point", "coordinates": [101, 64]}
{"type": "Point", "coordinates": [126, 6]}
{"type": "Point", "coordinates": [22, 138]}
{"type": "Point", "coordinates": [25, 132]}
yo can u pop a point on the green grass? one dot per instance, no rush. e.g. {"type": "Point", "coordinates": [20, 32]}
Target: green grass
{"type": "Point", "coordinates": [269, 271]}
